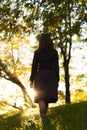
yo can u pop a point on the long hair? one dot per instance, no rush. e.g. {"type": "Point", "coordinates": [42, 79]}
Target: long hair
{"type": "Point", "coordinates": [45, 42]}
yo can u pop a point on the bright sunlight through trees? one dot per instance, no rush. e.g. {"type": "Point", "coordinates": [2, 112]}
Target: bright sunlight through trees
{"type": "Point", "coordinates": [22, 53]}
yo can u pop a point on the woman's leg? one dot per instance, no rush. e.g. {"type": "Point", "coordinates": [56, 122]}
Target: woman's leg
{"type": "Point", "coordinates": [43, 108]}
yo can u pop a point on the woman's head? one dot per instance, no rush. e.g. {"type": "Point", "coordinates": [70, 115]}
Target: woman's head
{"type": "Point", "coordinates": [45, 42]}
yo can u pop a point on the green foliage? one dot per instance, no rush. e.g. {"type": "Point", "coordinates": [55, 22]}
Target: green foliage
{"type": "Point", "coordinates": [27, 15]}
{"type": "Point", "coordinates": [80, 77]}
{"type": "Point", "coordinates": [79, 95]}
{"type": "Point", "coordinates": [10, 18]}
{"type": "Point", "coordinates": [30, 125]}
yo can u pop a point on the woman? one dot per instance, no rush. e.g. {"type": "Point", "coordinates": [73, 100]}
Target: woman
{"type": "Point", "coordinates": [45, 74]}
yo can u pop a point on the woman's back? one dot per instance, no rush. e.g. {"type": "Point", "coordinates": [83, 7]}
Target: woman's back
{"type": "Point", "coordinates": [47, 58]}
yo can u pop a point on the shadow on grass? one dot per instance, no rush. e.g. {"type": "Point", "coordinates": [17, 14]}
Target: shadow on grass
{"type": "Point", "coordinates": [10, 122]}
{"type": "Point", "coordinates": [47, 124]}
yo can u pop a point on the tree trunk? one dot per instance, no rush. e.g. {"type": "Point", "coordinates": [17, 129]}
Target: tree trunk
{"type": "Point", "coordinates": [16, 81]}
{"type": "Point", "coordinates": [67, 82]}
{"type": "Point", "coordinates": [8, 76]}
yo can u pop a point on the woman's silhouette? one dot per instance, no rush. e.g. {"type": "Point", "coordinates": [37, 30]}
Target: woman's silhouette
{"type": "Point", "coordinates": [45, 74]}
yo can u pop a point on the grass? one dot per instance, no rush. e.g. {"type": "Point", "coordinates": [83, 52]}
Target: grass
{"type": "Point", "coordinates": [71, 117]}
{"type": "Point", "coordinates": [65, 117]}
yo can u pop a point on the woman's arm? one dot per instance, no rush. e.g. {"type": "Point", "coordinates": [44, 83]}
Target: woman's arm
{"type": "Point", "coordinates": [34, 67]}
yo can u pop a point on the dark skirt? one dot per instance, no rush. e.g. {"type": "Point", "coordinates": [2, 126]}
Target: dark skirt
{"type": "Point", "coordinates": [45, 86]}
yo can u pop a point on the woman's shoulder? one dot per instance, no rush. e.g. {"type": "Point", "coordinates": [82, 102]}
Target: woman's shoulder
{"type": "Point", "coordinates": [52, 50]}
{"type": "Point", "coordinates": [36, 51]}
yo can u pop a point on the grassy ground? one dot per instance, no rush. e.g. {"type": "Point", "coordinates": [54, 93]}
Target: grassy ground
{"type": "Point", "coordinates": [66, 117]}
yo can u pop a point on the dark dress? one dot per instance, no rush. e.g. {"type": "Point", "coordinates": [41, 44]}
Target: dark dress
{"type": "Point", "coordinates": [45, 75]}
